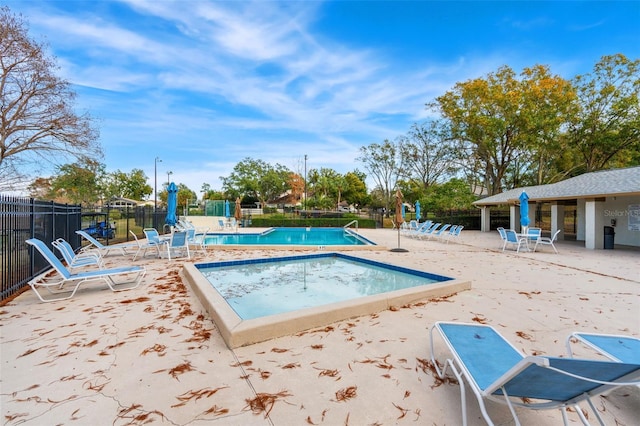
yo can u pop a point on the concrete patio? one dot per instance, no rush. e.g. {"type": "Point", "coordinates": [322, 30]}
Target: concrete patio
{"type": "Point", "coordinates": [152, 354]}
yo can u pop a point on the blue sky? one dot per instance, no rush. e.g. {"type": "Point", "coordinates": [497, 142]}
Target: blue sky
{"type": "Point", "coordinates": [203, 84]}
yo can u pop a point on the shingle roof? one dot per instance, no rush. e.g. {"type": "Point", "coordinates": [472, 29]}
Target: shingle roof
{"type": "Point", "coordinates": [589, 185]}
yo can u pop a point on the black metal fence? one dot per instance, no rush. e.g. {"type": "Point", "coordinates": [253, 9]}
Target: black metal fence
{"type": "Point", "coordinates": [23, 218]}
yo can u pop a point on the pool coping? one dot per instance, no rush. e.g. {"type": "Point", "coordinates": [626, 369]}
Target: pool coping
{"type": "Point", "coordinates": [237, 332]}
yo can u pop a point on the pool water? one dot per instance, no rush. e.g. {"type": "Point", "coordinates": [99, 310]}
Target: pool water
{"type": "Point", "coordinates": [263, 287]}
{"type": "Point", "coordinates": [291, 236]}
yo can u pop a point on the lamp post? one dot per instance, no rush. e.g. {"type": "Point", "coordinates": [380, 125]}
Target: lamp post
{"type": "Point", "coordinates": [169, 178]}
{"type": "Point", "coordinates": [155, 189]}
{"type": "Point", "coordinates": [305, 182]}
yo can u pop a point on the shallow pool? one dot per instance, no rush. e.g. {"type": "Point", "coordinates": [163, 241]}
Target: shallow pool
{"type": "Point", "coordinates": [276, 292]}
{"type": "Point", "coordinates": [273, 286]}
{"type": "Point", "coordinates": [291, 236]}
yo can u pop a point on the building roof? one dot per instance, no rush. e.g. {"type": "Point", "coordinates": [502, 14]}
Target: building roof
{"type": "Point", "coordinates": [603, 183]}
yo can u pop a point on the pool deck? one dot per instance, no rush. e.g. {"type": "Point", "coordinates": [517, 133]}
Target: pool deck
{"type": "Point", "coordinates": [152, 354]}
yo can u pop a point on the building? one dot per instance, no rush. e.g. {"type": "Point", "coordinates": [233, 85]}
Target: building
{"type": "Point", "coordinates": [607, 198]}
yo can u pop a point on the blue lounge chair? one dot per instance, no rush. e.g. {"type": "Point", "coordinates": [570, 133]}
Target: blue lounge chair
{"type": "Point", "coordinates": [455, 233]}
{"type": "Point", "coordinates": [440, 232]}
{"type": "Point", "coordinates": [616, 347]}
{"type": "Point", "coordinates": [429, 231]}
{"type": "Point", "coordinates": [101, 248]}
{"type": "Point", "coordinates": [420, 229]}
{"type": "Point", "coordinates": [496, 371]}
{"type": "Point", "coordinates": [56, 287]}
{"type": "Point", "coordinates": [77, 260]}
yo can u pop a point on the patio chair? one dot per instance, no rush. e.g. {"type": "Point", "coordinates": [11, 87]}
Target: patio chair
{"type": "Point", "coordinates": [144, 246]}
{"type": "Point", "coordinates": [56, 287]}
{"type": "Point", "coordinates": [496, 371]}
{"type": "Point", "coordinates": [76, 260]}
{"type": "Point", "coordinates": [178, 244]}
{"type": "Point", "coordinates": [618, 348]}
{"type": "Point", "coordinates": [546, 241]}
{"type": "Point", "coordinates": [101, 248]}
{"type": "Point", "coordinates": [503, 235]}
{"type": "Point", "coordinates": [195, 238]}
{"type": "Point", "coordinates": [512, 239]}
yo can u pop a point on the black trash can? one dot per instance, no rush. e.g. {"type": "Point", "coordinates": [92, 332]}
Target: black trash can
{"type": "Point", "coordinates": [609, 237]}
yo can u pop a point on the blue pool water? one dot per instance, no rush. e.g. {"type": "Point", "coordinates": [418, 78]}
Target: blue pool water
{"type": "Point", "coordinates": [292, 236]}
{"type": "Point", "coordinates": [261, 287]}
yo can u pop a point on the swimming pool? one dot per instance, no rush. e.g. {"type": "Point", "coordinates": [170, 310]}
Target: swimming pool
{"type": "Point", "coordinates": [285, 295]}
{"type": "Point", "coordinates": [291, 236]}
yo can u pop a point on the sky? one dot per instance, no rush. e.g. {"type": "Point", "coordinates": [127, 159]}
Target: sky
{"type": "Point", "coordinates": [202, 85]}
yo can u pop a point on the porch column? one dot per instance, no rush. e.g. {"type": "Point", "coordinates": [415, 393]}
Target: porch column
{"type": "Point", "coordinates": [485, 219]}
{"type": "Point", "coordinates": [514, 217]}
{"type": "Point", "coordinates": [594, 224]}
{"type": "Point", "coordinates": [557, 220]}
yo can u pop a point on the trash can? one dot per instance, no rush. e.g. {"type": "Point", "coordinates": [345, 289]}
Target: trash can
{"type": "Point", "coordinates": [609, 237]}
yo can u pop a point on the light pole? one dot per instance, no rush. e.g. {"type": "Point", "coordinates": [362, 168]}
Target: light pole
{"type": "Point", "coordinates": [168, 178]}
{"type": "Point", "coordinates": [305, 182]}
{"type": "Point", "coordinates": [155, 189]}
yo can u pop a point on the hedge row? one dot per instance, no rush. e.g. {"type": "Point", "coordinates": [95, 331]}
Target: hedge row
{"type": "Point", "coordinates": [266, 222]}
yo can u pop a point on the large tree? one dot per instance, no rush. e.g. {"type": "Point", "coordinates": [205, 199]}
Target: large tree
{"type": "Point", "coordinates": [384, 164]}
{"type": "Point", "coordinates": [38, 123]}
{"type": "Point", "coordinates": [500, 122]}
{"type": "Point", "coordinates": [131, 185]}
{"type": "Point", "coordinates": [256, 179]}
{"type": "Point", "coordinates": [606, 129]}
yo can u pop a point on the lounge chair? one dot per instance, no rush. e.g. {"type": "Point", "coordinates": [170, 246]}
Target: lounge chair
{"type": "Point", "coordinates": [440, 232]}
{"type": "Point", "coordinates": [429, 231]}
{"type": "Point", "coordinates": [101, 248]}
{"type": "Point", "coordinates": [410, 226]}
{"type": "Point", "coordinates": [178, 244]}
{"type": "Point", "coordinates": [618, 348]}
{"type": "Point", "coordinates": [546, 241]}
{"type": "Point", "coordinates": [513, 239]}
{"type": "Point", "coordinates": [423, 227]}
{"type": "Point", "coordinates": [455, 233]}
{"type": "Point", "coordinates": [77, 260]}
{"type": "Point", "coordinates": [496, 371]}
{"type": "Point", "coordinates": [56, 287]}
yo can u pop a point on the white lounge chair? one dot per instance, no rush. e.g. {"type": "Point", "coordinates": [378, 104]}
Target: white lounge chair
{"type": "Point", "coordinates": [496, 371]}
{"type": "Point", "coordinates": [616, 347]}
{"type": "Point", "coordinates": [101, 248]}
{"type": "Point", "coordinates": [546, 241]}
{"type": "Point", "coordinates": [77, 260]}
{"type": "Point", "coordinates": [56, 287]}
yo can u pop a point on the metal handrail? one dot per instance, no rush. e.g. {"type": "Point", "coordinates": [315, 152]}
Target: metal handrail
{"type": "Point", "coordinates": [351, 223]}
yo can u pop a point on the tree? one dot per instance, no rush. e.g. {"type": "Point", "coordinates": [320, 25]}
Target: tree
{"type": "Point", "coordinates": [356, 188]}
{"type": "Point", "coordinates": [452, 195]}
{"type": "Point", "coordinates": [499, 122]}
{"type": "Point", "coordinates": [78, 183]}
{"type": "Point", "coordinates": [426, 153]}
{"type": "Point", "coordinates": [257, 179]}
{"type": "Point", "coordinates": [606, 129]}
{"type": "Point", "coordinates": [383, 163]}
{"type": "Point", "coordinates": [37, 117]}
{"type": "Point", "coordinates": [132, 185]}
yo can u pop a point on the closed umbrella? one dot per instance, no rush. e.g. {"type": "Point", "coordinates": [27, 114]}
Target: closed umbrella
{"type": "Point", "coordinates": [399, 219]}
{"type": "Point", "coordinates": [524, 209]}
{"type": "Point", "coordinates": [172, 204]}
{"type": "Point", "coordinates": [418, 210]}
{"type": "Point", "coordinates": [238, 211]}
{"type": "Point", "coordinates": [227, 213]}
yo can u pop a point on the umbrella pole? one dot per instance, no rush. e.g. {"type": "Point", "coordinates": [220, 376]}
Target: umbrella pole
{"type": "Point", "coordinates": [399, 249]}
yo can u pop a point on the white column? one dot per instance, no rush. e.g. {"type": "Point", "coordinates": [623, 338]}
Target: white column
{"type": "Point", "coordinates": [485, 219]}
{"type": "Point", "coordinates": [557, 220]}
{"type": "Point", "coordinates": [594, 224]}
{"type": "Point", "coordinates": [514, 217]}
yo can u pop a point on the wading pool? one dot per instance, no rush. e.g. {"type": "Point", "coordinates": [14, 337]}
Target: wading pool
{"type": "Point", "coordinates": [259, 299]}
